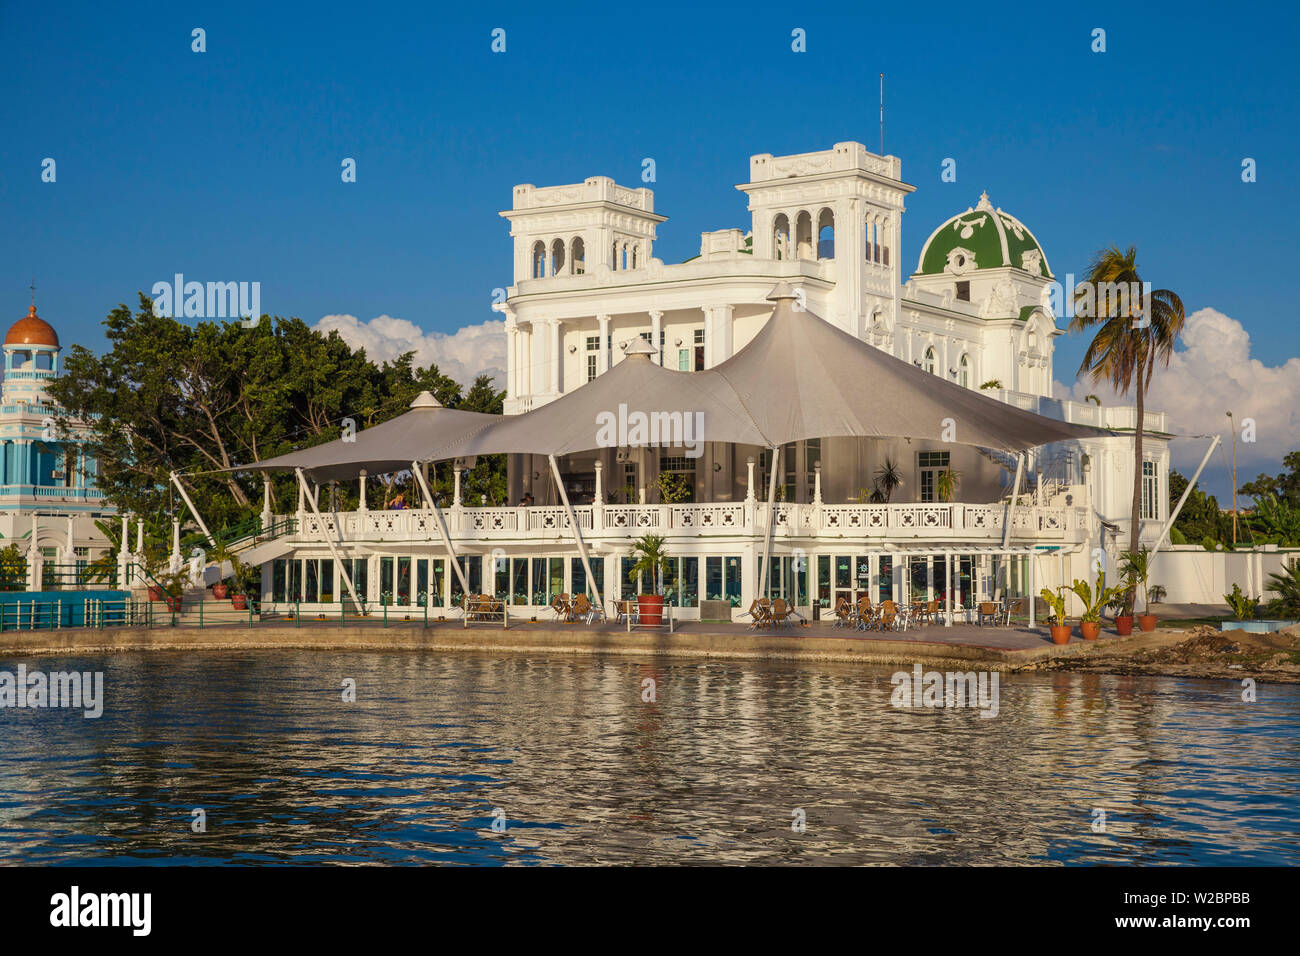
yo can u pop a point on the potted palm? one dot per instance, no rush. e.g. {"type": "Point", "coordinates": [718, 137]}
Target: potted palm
{"type": "Point", "coordinates": [1055, 601]}
{"type": "Point", "coordinates": [247, 580]}
{"type": "Point", "coordinates": [1136, 568]}
{"type": "Point", "coordinates": [174, 589]}
{"type": "Point", "coordinates": [1122, 606]}
{"type": "Point", "coordinates": [1090, 619]}
{"type": "Point", "coordinates": [652, 560]}
{"type": "Point", "coordinates": [947, 484]}
{"type": "Point", "coordinates": [221, 554]}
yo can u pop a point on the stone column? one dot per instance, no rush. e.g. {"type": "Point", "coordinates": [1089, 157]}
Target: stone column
{"type": "Point", "coordinates": [266, 502]}
{"type": "Point", "coordinates": [361, 505]}
{"type": "Point", "coordinates": [455, 497]}
{"type": "Point", "coordinates": [817, 483]}
{"type": "Point", "coordinates": [174, 564]}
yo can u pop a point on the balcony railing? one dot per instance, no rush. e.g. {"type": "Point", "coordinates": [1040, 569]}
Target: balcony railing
{"type": "Point", "coordinates": [888, 522]}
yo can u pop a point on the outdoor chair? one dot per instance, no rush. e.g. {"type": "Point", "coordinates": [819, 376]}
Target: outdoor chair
{"type": "Point", "coordinates": [780, 613]}
{"type": "Point", "coordinates": [842, 616]}
{"type": "Point", "coordinates": [986, 609]}
{"type": "Point", "coordinates": [932, 612]}
{"type": "Point", "coordinates": [1014, 607]}
{"type": "Point", "coordinates": [888, 618]}
{"type": "Point", "coordinates": [585, 611]}
{"type": "Point", "coordinates": [628, 609]}
{"type": "Point", "coordinates": [866, 616]}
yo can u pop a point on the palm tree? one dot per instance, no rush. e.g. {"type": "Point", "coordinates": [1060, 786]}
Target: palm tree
{"type": "Point", "coordinates": [888, 478]}
{"type": "Point", "coordinates": [1125, 354]}
{"type": "Point", "coordinates": [651, 559]}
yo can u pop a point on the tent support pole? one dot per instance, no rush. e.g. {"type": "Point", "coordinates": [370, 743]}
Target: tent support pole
{"type": "Point", "coordinates": [577, 533]}
{"type": "Point", "coordinates": [195, 511]}
{"type": "Point", "coordinates": [765, 583]}
{"type": "Point", "coordinates": [315, 509]}
{"type": "Point", "coordinates": [1173, 515]}
{"type": "Point", "coordinates": [1015, 493]}
{"type": "Point", "coordinates": [442, 527]}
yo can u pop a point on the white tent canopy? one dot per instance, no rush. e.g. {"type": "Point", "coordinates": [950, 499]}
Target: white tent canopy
{"type": "Point", "coordinates": [380, 449]}
{"type": "Point", "coordinates": [802, 377]}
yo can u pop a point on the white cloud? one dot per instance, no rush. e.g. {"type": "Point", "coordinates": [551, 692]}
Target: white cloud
{"type": "Point", "coordinates": [1214, 373]}
{"type": "Point", "coordinates": [464, 354]}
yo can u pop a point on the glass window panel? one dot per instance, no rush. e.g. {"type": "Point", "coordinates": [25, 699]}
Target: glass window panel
{"type": "Point", "coordinates": [519, 579]}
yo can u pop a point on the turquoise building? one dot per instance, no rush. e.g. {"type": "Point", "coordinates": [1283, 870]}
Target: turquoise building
{"type": "Point", "coordinates": [46, 484]}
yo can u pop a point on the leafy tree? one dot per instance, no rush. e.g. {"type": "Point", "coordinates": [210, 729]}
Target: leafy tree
{"type": "Point", "coordinates": [1125, 354]}
{"type": "Point", "coordinates": [1201, 517]}
{"type": "Point", "coordinates": [1285, 486]}
{"type": "Point", "coordinates": [197, 399]}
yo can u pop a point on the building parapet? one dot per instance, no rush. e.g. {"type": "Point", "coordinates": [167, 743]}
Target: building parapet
{"type": "Point", "coordinates": [888, 523]}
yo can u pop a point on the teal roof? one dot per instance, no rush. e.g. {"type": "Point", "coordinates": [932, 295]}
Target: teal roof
{"type": "Point", "coordinates": [995, 239]}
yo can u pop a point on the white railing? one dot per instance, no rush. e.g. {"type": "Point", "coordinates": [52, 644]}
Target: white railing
{"type": "Point", "coordinates": [901, 522]}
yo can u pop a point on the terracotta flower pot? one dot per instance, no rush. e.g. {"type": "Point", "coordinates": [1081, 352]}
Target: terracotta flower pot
{"type": "Point", "coordinates": [1147, 622]}
{"type": "Point", "coordinates": [1124, 624]}
{"type": "Point", "coordinates": [1060, 633]}
{"type": "Point", "coordinates": [1090, 629]}
{"type": "Point", "coordinates": [220, 591]}
{"type": "Point", "coordinates": [650, 608]}
{"type": "Point", "coordinates": [239, 602]}
{"type": "Point", "coordinates": [155, 594]}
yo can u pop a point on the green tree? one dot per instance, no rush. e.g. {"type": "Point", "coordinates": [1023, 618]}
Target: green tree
{"type": "Point", "coordinates": [1125, 351]}
{"type": "Point", "coordinates": [195, 399]}
{"type": "Point", "coordinates": [1285, 486]}
{"type": "Point", "coordinates": [1201, 516]}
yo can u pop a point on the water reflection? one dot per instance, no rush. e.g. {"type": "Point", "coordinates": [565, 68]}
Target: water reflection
{"type": "Point", "coordinates": [588, 772]}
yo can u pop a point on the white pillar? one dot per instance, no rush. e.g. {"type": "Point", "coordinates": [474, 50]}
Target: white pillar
{"type": "Point", "coordinates": [139, 536]}
{"type": "Point", "coordinates": [600, 485]}
{"type": "Point", "coordinates": [602, 363]}
{"type": "Point", "coordinates": [557, 359]}
{"type": "Point", "coordinates": [123, 556]}
{"type": "Point", "coordinates": [266, 501]}
{"type": "Point", "coordinates": [1032, 595]}
{"type": "Point", "coordinates": [817, 483]}
{"type": "Point", "coordinates": [656, 328]}
{"type": "Point", "coordinates": [34, 557]}
{"type": "Point", "coordinates": [455, 496]}
{"type": "Point", "coordinates": [749, 479]}
{"type": "Point", "coordinates": [176, 560]}
{"type": "Point", "coordinates": [361, 505]}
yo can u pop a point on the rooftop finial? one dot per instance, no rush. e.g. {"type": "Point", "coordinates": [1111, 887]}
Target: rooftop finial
{"type": "Point", "coordinates": [33, 288]}
{"type": "Point", "coordinates": [984, 201]}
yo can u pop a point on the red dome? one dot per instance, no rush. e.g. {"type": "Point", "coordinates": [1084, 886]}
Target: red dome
{"type": "Point", "coordinates": [31, 329]}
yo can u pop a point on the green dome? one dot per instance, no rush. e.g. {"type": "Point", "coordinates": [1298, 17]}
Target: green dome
{"type": "Point", "coordinates": [982, 238]}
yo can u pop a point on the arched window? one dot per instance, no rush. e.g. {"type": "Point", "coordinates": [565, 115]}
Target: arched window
{"type": "Point", "coordinates": [557, 257]}
{"type": "Point", "coordinates": [636, 256]}
{"type": "Point", "coordinates": [930, 360]}
{"type": "Point", "coordinates": [578, 256]}
{"type": "Point", "coordinates": [826, 235]}
{"type": "Point", "coordinates": [803, 242]}
{"type": "Point", "coordinates": [539, 260]}
{"type": "Point", "coordinates": [870, 232]}
{"type": "Point", "coordinates": [963, 372]}
{"type": "Point", "coordinates": [781, 237]}
{"type": "Point", "coordinates": [614, 256]}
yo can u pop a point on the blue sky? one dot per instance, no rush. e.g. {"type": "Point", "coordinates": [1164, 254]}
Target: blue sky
{"type": "Point", "coordinates": [225, 165]}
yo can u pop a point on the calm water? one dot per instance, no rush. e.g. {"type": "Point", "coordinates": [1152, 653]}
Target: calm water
{"type": "Point", "coordinates": [586, 772]}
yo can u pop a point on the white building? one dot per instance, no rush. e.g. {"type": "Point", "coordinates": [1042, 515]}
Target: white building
{"type": "Point", "coordinates": [587, 282]}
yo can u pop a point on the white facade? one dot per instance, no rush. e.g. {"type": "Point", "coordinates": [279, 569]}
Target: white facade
{"type": "Point", "coordinates": [587, 282]}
